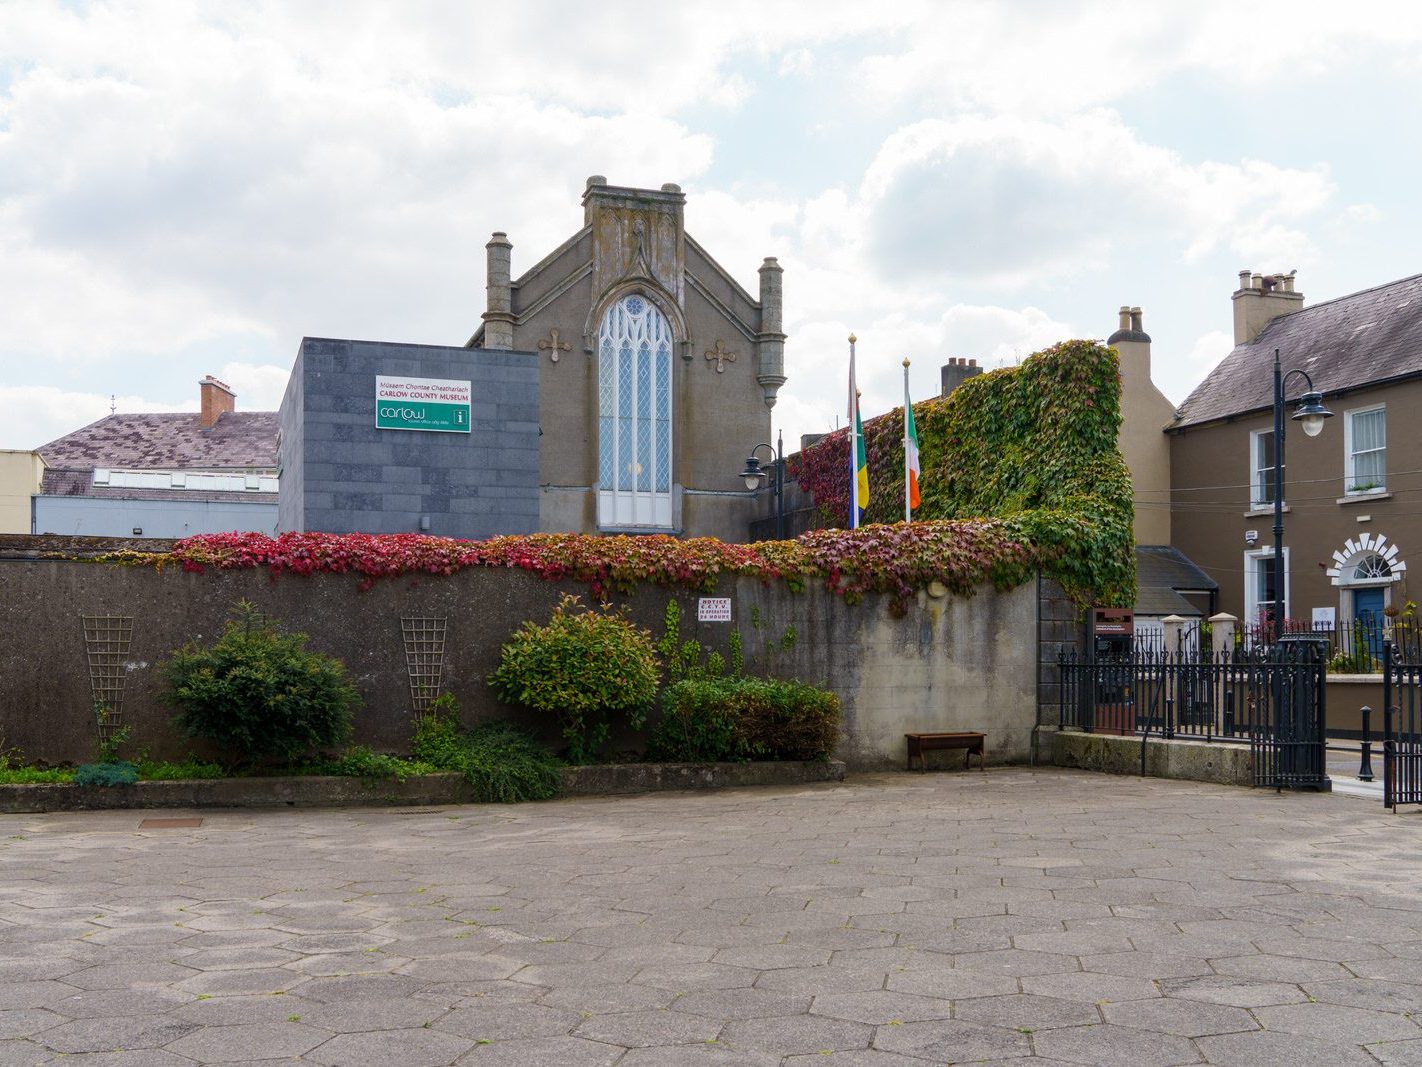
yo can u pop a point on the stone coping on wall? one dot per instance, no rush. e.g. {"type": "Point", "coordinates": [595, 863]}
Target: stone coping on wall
{"type": "Point", "coordinates": [1196, 761]}
{"type": "Point", "coordinates": [317, 791]}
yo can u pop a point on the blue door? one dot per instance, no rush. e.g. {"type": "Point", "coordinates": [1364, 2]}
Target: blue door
{"type": "Point", "coordinates": [1368, 621]}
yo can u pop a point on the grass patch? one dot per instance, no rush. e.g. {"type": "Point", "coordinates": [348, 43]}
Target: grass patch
{"type": "Point", "coordinates": [33, 775]}
{"type": "Point", "coordinates": [503, 764]}
{"type": "Point", "coordinates": [180, 771]}
{"type": "Point", "coordinates": [360, 762]}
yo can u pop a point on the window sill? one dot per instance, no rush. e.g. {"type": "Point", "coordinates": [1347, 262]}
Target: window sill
{"type": "Point", "coordinates": [1363, 498]}
{"type": "Point", "coordinates": [1263, 512]}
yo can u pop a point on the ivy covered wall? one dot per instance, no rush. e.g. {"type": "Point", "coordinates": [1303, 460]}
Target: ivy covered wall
{"type": "Point", "coordinates": [1033, 447]}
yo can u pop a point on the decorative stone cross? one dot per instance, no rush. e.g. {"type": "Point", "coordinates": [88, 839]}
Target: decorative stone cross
{"type": "Point", "coordinates": [553, 346]}
{"type": "Point", "coordinates": [721, 356]}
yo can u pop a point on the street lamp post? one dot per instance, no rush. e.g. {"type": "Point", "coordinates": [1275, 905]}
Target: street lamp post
{"type": "Point", "coordinates": [1310, 415]}
{"type": "Point", "coordinates": [755, 475]}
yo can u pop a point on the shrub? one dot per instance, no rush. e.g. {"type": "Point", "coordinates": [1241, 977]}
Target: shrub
{"type": "Point", "coordinates": [501, 763]}
{"type": "Point", "coordinates": [717, 719]}
{"type": "Point", "coordinates": [258, 692]}
{"type": "Point", "coordinates": [186, 770]}
{"type": "Point", "coordinates": [360, 762]}
{"type": "Point", "coordinates": [12, 775]}
{"type": "Point", "coordinates": [583, 667]}
{"type": "Point", "coordinates": [118, 772]}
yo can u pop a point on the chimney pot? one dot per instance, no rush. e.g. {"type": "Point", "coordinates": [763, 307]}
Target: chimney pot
{"type": "Point", "coordinates": [1125, 317]}
{"type": "Point", "coordinates": [1244, 279]}
{"type": "Point", "coordinates": [1136, 320]}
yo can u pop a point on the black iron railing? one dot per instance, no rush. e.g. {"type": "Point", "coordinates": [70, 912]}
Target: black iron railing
{"type": "Point", "coordinates": [1402, 728]}
{"type": "Point", "coordinates": [1269, 697]}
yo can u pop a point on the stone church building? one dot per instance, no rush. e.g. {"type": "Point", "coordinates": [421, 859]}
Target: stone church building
{"type": "Point", "coordinates": [616, 386]}
{"type": "Point", "coordinates": [656, 370]}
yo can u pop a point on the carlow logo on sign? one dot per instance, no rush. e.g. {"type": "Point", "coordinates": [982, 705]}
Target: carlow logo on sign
{"type": "Point", "coordinates": [422, 404]}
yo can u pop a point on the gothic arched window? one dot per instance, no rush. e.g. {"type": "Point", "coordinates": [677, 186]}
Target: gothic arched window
{"type": "Point", "coordinates": [634, 353]}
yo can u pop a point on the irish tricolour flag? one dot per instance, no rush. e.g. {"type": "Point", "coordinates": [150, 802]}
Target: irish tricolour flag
{"type": "Point", "coordinates": [910, 457]}
{"type": "Point", "coordinates": [911, 499]}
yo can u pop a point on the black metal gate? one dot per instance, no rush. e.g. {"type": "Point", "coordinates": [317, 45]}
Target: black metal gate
{"type": "Point", "coordinates": [1287, 716]}
{"type": "Point", "coordinates": [1270, 697]}
{"type": "Point", "coordinates": [1402, 730]}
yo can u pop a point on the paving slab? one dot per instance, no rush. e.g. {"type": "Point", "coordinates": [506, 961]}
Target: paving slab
{"type": "Point", "coordinates": [1043, 916]}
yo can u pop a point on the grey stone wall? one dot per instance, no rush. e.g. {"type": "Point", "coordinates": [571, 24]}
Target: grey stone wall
{"type": "Point", "coordinates": [340, 474]}
{"type": "Point", "coordinates": [947, 664]}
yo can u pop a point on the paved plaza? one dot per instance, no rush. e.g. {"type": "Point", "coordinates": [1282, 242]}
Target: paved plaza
{"type": "Point", "coordinates": [893, 919]}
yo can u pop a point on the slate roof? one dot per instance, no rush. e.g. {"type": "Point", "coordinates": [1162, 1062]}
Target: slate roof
{"type": "Point", "coordinates": [1161, 572]}
{"type": "Point", "coordinates": [161, 441]}
{"type": "Point", "coordinates": [1342, 344]}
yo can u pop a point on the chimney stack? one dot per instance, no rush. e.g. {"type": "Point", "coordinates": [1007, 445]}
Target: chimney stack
{"type": "Point", "coordinates": [1259, 300]}
{"type": "Point", "coordinates": [499, 319]}
{"type": "Point", "coordinates": [955, 372]}
{"type": "Point", "coordinates": [217, 398]}
{"type": "Point", "coordinates": [770, 340]}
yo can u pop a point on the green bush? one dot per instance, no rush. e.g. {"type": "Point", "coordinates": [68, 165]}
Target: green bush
{"type": "Point", "coordinates": [719, 719]}
{"type": "Point", "coordinates": [186, 770]}
{"type": "Point", "coordinates": [260, 693]}
{"type": "Point", "coordinates": [584, 667]}
{"type": "Point", "coordinates": [360, 762]}
{"type": "Point", "coordinates": [12, 775]}
{"type": "Point", "coordinates": [503, 764]}
{"type": "Point", "coordinates": [117, 772]}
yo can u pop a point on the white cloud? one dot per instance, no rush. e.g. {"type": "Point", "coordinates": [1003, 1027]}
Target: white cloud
{"type": "Point", "coordinates": [258, 387]}
{"type": "Point", "coordinates": [1015, 200]}
{"type": "Point", "coordinates": [37, 414]}
{"type": "Point", "coordinates": [1042, 58]}
{"type": "Point", "coordinates": [1209, 348]}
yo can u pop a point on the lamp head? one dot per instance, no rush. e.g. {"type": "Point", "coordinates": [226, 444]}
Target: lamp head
{"type": "Point", "coordinates": [753, 474]}
{"type": "Point", "coordinates": [1310, 413]}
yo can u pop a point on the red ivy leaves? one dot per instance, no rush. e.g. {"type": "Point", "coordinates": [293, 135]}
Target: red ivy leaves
{"type": "Point", "coordinates": [894, 559]}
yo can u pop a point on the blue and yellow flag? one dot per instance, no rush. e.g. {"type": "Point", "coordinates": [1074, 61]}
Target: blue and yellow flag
{"type": "Point", "coordinates": [858, 456]}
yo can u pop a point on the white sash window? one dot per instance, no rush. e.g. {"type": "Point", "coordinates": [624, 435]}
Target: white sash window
{"type": "Point", "coordinates": [634, 354]}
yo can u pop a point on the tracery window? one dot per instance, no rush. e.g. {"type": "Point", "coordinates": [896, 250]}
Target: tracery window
{"type": "Point", "coordinates": [634, 415]}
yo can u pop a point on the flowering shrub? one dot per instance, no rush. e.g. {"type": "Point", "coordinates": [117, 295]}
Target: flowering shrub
{"type": "Point", "coordinates": [1032, 446]}
{"type": "Point", "coordinates": [873, 559]}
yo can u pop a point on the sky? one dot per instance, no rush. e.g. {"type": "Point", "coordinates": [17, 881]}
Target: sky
{"type": "Point", "coordinates": [189, 189]}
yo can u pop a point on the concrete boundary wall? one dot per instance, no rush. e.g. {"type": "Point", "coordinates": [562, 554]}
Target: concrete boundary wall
{"type": "Point", "coordinates": [1195, 761]}
{"type": "Point", "coordinates": [947, 664]}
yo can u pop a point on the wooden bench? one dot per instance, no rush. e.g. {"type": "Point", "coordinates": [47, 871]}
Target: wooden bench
{"type": "Point", "coordinates": [971, 743]}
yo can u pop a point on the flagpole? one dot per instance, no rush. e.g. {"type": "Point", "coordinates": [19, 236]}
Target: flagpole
{"type": "Point", "coordinates": [853, 445]}
{"type": "Point", "coordinates": [908, 507]}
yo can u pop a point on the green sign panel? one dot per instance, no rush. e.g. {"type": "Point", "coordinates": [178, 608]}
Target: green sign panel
{"type": "Point", "coordinates": [435, 404]}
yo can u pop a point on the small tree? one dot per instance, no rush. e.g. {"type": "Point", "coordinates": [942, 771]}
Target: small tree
{"type": "Point", "coordinates": [583, 667]}
{"type": "Point", "coordinates": [258, 692]}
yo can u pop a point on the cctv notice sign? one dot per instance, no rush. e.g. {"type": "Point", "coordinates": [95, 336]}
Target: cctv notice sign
{"type": "Point", "coordinates": [436, 404]}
